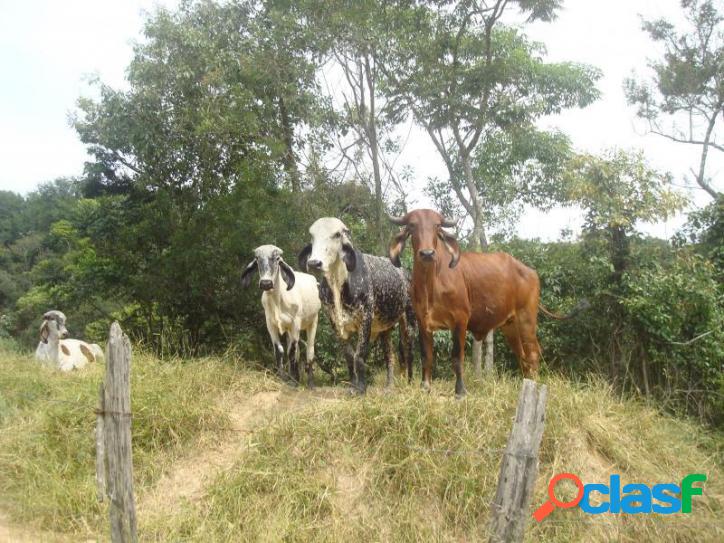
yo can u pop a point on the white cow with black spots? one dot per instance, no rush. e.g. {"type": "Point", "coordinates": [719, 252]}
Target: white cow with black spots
{"type": "Point", "coordinates": [362, 294]}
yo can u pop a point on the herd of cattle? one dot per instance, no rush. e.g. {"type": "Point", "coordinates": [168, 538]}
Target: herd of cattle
{"type": "Point", "coordinates": [368, 295]}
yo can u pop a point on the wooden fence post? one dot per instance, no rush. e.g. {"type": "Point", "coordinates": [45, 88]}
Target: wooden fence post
{"type": "Point", "coordinates": [519, 468]}
{"type": "Point", "coordinates": [114, 464]}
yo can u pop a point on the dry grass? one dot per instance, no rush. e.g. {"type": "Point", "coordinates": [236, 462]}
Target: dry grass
{"type": "Point", "coordinates": [405, 466]}
{"type": "Point", "coordinates": [411, 466]}
{"type": "Point", "coordinates": [47, 446]}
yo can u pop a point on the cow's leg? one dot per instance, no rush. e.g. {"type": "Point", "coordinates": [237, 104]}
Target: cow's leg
{"type": "Point", "coordinates": [524, 344]}
{"type": "Point", "coordinates": [349, 355]}
{"type": "Point", "coordinates": [531, 347]}
{"type": "Point", "coordinates": [360, 355]}
{"type": "Point", "coordinates": [293, 354]}
{"type": "Point", "coordinates": [311, 334]}
{"type": "Point", "coordinates": [406, 333]}
{"type": "Point", "coordinates": [278, 347]}
{"type": "Point", "coordinates": [386, 339]}
{"type": "Point", "coordinates": [458, 355]}
{"type": "Point", "coordinates": [427, 353]}
{"type": "Point", "coordinates": [512, 338]}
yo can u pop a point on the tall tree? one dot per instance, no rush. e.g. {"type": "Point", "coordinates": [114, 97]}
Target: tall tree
{"type": "Point", "coordinates": [198, 156]}
{"type": "Point", "coordinates": [353, 37]}
{"type": "Point", "coordinates": [685, 97]}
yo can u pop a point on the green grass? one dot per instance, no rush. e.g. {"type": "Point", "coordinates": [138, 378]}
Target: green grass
{"type": "Point", "coordinates": [405, 466]}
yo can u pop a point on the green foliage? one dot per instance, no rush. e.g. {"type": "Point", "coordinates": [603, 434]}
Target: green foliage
{"type": "Point", "coordinates": [649, 324]}
{"type": "Point", "coordinates": [677, 313]}
{"type": "Point", "coordinates": [200, 160]}
{"type": "Point", "coordinates": [687, 86]}
{"type": "Point", "coordinates": [478, 87]}
{"type": "Point", "coordinates": [620, 189]}
{"type": "Point", "coordinates": [705, 230]}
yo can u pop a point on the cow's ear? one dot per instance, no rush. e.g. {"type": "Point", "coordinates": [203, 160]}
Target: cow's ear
{"type": "Point", "coordinates": [248, 272]}
{"type": "Point", "coordinates": [397, 246]}
{"type": "Point", "coordinates": [451, 244]}
{"type": "Point", "coordinates": [304, 256]}
{"type": "Point", "coordinates": [287, 274]}
{"type": "Point", "coordinates": [349, 256]}
{"type": "Point", "coordinates": [44, 331]}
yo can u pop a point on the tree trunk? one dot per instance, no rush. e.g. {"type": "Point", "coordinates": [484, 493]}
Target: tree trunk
{"type": "Point", "coordinates": [371, 129]}
{"type": "Point", "coordinates": [480, 243]}
{"type": "Point", "coordinates": [701, 175]}
{"type": "Point", "coordinates": [478, 358]}
{"type": "Point", "coordinates": [288, 160]}
{"type": "Point", "coordinates": [489, 352]}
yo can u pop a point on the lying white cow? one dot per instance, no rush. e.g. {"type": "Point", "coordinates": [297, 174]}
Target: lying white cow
{"type": "Point", "coordinates": [64, 354]}
{"type": "Point", "coordinates": [291, 304]}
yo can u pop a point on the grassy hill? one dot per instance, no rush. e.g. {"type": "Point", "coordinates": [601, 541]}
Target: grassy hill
{"type": "Point", "coordinates": [223, 452]}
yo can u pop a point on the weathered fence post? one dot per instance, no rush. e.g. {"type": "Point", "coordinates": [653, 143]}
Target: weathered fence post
{"type": "Point", "coordinates": [114, 465]}
{"type": "Point", "coordinates": [519, 469]}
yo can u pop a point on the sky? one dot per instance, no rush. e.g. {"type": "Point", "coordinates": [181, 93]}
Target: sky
{"type": "Point", "coordinates": [50, 49]}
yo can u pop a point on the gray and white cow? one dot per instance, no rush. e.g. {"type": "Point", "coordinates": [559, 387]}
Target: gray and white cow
{"type": "Point", "coordinates": [361, 294]}
{"type": "Point", "coordinates": [291, 304]}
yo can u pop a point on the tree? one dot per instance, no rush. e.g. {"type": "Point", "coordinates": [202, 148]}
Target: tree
{"type": "Point", "coordinates": [352, 38]}
{"type": "Point", "coordinates": [705, 229]}
{"type": "Point", "coordinates": [685, 98]}
{"type": "Point", "coordinates": [196, 161]}
{"type": "Point", "coordinates": [472, 82]}
{"type": "Point", "coordinates": [617, 191]}
{"type": "Point", "coordinates": [469, 80]}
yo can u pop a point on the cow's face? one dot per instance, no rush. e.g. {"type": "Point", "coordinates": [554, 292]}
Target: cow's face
{"type": "Point", "coordinates": [53, 322]}
{"type": "Point", "coordinates": [269, 263]}
{"type": "Point", "coordinates": [331, 244]}
{"type": "Point", "coordinates": [425, 226]}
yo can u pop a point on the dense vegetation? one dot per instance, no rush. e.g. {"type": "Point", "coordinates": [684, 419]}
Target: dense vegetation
{"type": "Point", "coordinates": [226, 138]}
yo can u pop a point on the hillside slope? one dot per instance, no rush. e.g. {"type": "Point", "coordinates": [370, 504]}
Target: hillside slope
{"type": "Point", "coordinates": [225, 453]}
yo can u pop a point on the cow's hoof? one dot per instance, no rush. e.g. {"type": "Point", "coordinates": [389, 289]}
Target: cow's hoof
{"type": "Point", "coordinates": [425, 386]}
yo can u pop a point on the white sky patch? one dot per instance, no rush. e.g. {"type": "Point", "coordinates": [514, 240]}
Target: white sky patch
{"type": "Point", "coordinates": [49, 48]}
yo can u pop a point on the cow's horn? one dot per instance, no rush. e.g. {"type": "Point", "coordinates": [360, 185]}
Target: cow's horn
{"type": "Point", "coordinates": [399, 221]}
{"type": "Point", "coordinates": [447, 223]}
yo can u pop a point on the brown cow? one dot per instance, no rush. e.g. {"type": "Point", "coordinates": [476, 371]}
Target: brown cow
{"type": "Point", "coordinates": [467, 291]}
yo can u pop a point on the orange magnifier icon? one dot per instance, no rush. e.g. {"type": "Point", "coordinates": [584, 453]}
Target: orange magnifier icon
{"type": "Point", "coordinates": [547, 508]}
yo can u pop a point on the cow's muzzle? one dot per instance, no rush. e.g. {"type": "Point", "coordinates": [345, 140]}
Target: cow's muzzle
{"type": "Point", "coordinates": [314, 264]}
{"type": "Point", "coordinates": [427, 254]}
{"type": "Point", "coordinates": [266, 284]}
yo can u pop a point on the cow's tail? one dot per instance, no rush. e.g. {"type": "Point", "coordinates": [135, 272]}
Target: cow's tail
{"type": "Point", "coordinates": [581, 306]}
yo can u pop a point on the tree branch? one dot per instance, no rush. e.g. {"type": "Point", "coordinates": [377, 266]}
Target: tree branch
{"type": "Point", "coordinates": [716, 146]}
